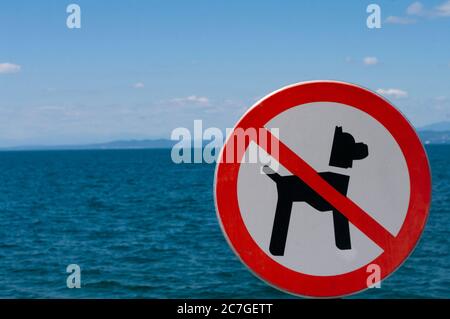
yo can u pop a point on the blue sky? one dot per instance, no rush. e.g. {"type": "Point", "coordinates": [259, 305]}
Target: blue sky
{"type": "Point", "coordinates": [139, 69]}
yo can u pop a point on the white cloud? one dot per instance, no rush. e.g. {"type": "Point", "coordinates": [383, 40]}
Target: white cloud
{"type": "Point", "coordinates": [51, 108]}
{"type": "Point", "coordinates": [370, 60]}
{"type": "Point", "coordinates": [9, 68]}
{"type": "Point", "coordinates": [192, 99]}
{"type": "Point", "coordinates": [443, 10]}
{"type": "Point", "coordinates": [395, 93]}
{"type": "Point", "coordinates": [139, 85]}
{"type": "Point", "coordinates": [416, 9]}
{"type": "Point", "coordinates": [400, 20]}
{"type": "Point", "coordinates": [441, 98]}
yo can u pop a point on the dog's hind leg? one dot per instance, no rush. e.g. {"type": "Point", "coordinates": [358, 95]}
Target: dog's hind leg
{"type": "Point", "coordinates": [280, 226]}
{"type": "Point", "coordinates": [341, 231]}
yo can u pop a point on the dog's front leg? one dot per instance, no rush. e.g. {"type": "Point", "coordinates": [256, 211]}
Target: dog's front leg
{"type": "Point", "coordinates": [341, 231]}
{"type": "Point", "coordinates": [280, 226]}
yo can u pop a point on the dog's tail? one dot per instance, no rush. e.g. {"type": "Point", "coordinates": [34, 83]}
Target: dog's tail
{"type": "Point", "coordinates": [271, 173]}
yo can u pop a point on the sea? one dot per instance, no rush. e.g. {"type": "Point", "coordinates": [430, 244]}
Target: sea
{"type": "Point", "coordinates": [140, 226]}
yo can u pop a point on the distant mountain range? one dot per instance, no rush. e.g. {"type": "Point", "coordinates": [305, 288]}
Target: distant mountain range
{"type": "Point", "coordinates": [435, 137]}
{"type": "Point", "coordinates": [439, 126]}
{"type": "Point", "coordinates": [436, 133]}
{"type": "Point", "coordinates": [125, 144]}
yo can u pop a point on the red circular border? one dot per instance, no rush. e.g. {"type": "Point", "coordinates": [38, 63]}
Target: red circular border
{"type": "Point", "coordinates": [257, 260]}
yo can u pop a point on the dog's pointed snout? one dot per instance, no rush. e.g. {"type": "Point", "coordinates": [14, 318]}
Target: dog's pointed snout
{"type": "Point", "coordinates": [365, 150]}
{"type": "Point", "coordinates": [361, 151]}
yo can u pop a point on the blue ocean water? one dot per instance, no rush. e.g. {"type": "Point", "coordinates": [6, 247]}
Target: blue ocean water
{"type": "Point", "coordinates": [140, 226]}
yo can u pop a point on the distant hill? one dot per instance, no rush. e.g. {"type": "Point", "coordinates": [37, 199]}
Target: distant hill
{"type": "Point", "coordinates": [125, 144]}
{"type": "Point", "coordinates": [435, 137]}
{"type": "Point", "coordinates": [439, 126]}
{"type": "Point", "coordinates": [436, 133]}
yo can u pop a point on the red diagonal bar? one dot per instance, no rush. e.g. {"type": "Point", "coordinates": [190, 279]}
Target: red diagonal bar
{"type": "Point", "coordinates": [356, 215]}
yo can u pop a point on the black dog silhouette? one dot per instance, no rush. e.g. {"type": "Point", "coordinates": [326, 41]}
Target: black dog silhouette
{"type": "Point", "coordinates": [292, 189]}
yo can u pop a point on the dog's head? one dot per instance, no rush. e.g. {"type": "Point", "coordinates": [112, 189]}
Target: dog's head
{"type": "Point", "coordinates": [345, 150]}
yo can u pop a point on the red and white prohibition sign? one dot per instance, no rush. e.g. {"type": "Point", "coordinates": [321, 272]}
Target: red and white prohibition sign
{"type": "Point", "coordinates": [348, 187]}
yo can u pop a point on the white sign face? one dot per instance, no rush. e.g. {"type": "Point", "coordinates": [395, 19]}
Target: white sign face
{"type": "Point", "coordinates": [307, 240]}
